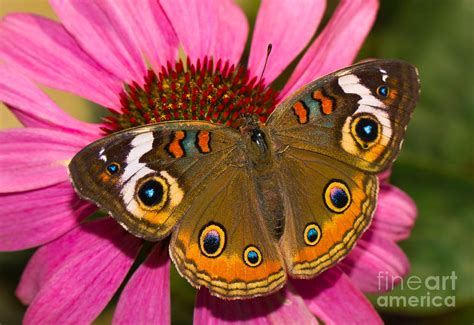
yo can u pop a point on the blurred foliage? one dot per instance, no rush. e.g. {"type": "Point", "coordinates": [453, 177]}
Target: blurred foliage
{"type": "Point", "coordinates": [435, 167]}
{"type": "Point", "coordinates": [436, 36]}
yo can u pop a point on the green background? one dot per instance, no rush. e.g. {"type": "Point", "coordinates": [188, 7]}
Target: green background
{"type": "Point", "coordinates": [435, 166]}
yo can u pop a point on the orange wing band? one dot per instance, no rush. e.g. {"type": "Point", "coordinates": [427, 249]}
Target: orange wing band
{"type": "Point", "coordinates": [301, 111]}
{"type": "Point", "coordinates": [326, 102]}
{"type": "Point", "coordinates": [203, 140]}
{"type": "Point", "coordinates": [175, 148]}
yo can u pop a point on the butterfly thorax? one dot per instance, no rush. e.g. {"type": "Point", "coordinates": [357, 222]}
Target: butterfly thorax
{"type": "Point", "coordinates": [255, 138]}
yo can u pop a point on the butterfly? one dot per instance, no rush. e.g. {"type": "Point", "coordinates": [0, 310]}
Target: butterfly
{"type": "Point", "coordinates": [246, 208]}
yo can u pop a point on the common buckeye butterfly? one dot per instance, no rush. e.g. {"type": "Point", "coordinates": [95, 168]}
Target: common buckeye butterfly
{"type": "Point", "coordinates": [247, 208]}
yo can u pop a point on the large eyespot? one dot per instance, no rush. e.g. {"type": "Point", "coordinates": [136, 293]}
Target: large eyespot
{"type": "Point", "coordinates": [366, 130]}
{"type": "Point", "coordinates": [383, 91]}
{"type": "Point", "coordinates": [113, 168]}
{"type": "Point", "coordinates": [152, 193]}
{"type": "Point", "coordinates": [337, 196]}
{"type": "Point", "coordinates": [312, 234]}
{"type": "Point", "coordinates": [212, 240]}
{"type": "Point", "coordinates": [252, 256]}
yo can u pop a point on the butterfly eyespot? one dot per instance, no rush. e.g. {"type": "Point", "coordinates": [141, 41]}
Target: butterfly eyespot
{"type": "Point", "coordinates": [152, 193]}
{"type": "Point", "coordinates": [252, 256]}
{"type": "Point", "coordinates": [113, 168]}
{"type": "Point", "coordinates": [383, 91]}
{"type": "Point", "coordinates": [366, 130]}
{"type": "Point", "coordinates": [337, 196]}
{"type": "Point", "coordinates": [312, 234]}
{"type": "Point", "coordinates": [212, 240]}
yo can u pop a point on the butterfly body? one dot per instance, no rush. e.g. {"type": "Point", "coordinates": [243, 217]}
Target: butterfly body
{"type": "Point", "coordinates": [248, 207]}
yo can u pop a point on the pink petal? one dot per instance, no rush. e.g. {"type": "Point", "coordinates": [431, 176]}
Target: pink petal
{"type": "Point", "coordinates": [148, 291]}
{"type": "Point", "coordinates": [152, 30]}
{"type": "Point", "coordinates": [337, 45]}
{"type": "Point", "coordinates": [32, 218]}
{"type": "Point", "coordinates": [41, 162]}
{"type": "Point", "coordinates": [395, 213]}
{"type": "Point", "coordinates": [335, 300]}
{"type": "Point", "coordinates": [232, 33]}
{"type": "Point", "coordinates": [46, 52]}
{"type": "Point", "coordinates": [282, 307]}
{"type": "Point", "coordinates": [103, 33]}
{"type": "Point", "coordinates": [376, 264]}
{"type": "Point", "coordinates": [50, 258]}
{"type": "Point", "coordinates": [71, 280]}
{"type": "Point", "coordinates": [216, 28]}
{"type": "Point", "coordinates": [384, 177]}
{"type": "Point", "coordinates": [288, 27]}
{"type": "Point", "coordinates": [34, 109]}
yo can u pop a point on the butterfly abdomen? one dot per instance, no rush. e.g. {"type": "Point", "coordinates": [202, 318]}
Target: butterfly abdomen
{"type": "Point", "coordinates": [271, 201]}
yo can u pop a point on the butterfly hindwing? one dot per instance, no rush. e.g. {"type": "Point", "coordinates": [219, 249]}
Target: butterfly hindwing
{"type": "Point", "coordinates": [223, 243]}
{"type": "Point", "coordinates": [147, 176]}
{"type": "Point", "coordinates": [328, 206]}
{"type": "Point", "coordinates": [357, 115]}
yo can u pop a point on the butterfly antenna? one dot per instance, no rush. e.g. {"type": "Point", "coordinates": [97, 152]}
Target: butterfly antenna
{"type": "Point", "coordinates": [269, 50]}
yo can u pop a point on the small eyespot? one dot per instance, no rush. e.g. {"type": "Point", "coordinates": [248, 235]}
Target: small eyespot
{"type": "Point", "coordinates": [337, 196]}
{"type": "Point", "coordinates": [366, 130]}
{"type": "Point", "coordinates": [152, 193]}
{"type": "Point", "coordinates": [312, 234]}
{"type": "Point", "coordinates": [252, 256]}
{"type": "Point", "coordinates": [113, 168]}
{"type": "Point", "coordinates": [383, 91]}
{"type": "Point", "coordinates": [212, 240]}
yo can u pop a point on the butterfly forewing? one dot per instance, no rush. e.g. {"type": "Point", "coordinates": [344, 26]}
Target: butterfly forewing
{"type": "Point", "coordinates": [146, 177]}
{"type": "Point", "coordinates": [357, 115]}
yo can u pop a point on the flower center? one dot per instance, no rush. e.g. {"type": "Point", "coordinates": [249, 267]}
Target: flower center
{"type": "Point", "coordinates": [218, 92]}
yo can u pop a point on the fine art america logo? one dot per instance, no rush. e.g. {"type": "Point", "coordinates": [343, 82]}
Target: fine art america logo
{"type": "Point", "coordinates": [432, 291]}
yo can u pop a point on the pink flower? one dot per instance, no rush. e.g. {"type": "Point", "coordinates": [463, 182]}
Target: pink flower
{"type": "Point", "coordinates": [97, 48]}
